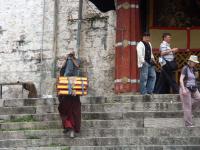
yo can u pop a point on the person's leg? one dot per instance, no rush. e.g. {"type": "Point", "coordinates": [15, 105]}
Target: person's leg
{"type": "Point", "coordinates": [173, 83]}
{"type": "Point", "coordinates": [77, 113]}
{"type": "Point", "coordinates": [151, 79]}
{"type": "Point", "coordinates": [65, 112]}
{"type": "Point", "coordinates": [187, 107]}
{"type": "Point", "coordinates": [162, 86]}
{"type": "Point", "coordinates": [61, 110]}
{"type": "Point", "coordinates": [143, 78]}
{"type": "Point", "coordinates": [170, 79]}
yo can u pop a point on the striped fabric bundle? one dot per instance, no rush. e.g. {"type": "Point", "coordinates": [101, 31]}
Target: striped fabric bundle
{"type": "Point", "coordinates": [72, 86]}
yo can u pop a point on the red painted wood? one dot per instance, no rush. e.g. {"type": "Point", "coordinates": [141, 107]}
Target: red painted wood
{"type": "Point", "coordinates": [126, 58]}
{"type": "Point", "coordinates": [135, 36]}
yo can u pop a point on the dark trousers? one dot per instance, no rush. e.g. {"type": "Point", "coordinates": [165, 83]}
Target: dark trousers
{"type": "Point", "coordinates": [166, 80]}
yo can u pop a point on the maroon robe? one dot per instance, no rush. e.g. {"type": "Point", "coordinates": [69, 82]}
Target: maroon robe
{"type": "Point", "coordinates": [70, 112]}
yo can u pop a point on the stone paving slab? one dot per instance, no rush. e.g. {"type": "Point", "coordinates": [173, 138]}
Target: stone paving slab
{"type": "Point", "coordinates": [92, 124]}
{"type": "Point", "coordinates": [100, 141]}
{"type": "Point", "coordinates": [98, 116]}
{"type": "Point", "coordinates": [135, 114]}
{"type": "Point", "coordinates": [133, 106]}
{"type": "Point", "coordinates": [84, 124]}
{"type": "Point", "coordinates": [123, 147]}
{"type": "Point", "coordinates": [107, 107]}
{"type": "Point", "coordinates": [132, 98]}
{"type": "Point", "coordinates": [145, 147]}
{"type": "Point", "coordinates": [40, 148]}
{"type": "Point", "coordinates": [178, 132]}
{"type": "Point", "coordinates": [93, 100]}
{"type": "Point", "coordinates": [28, 102]}
{"type": "Point", "coordinates": [29, 109]}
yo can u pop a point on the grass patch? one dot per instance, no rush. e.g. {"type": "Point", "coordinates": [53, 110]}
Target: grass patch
{"type": "Point", "coordinates": [59, 145]}
{"type": "Point", "coordinates": [66, 148]}
{"type": "Point", "coordinates": [32, 137]}
{"type": "Point", "coordinates": [55, 145]}
{"type": "Point", "coordinates": [23, 119]}
{"type": "Point", "coordinates": [34, 128]}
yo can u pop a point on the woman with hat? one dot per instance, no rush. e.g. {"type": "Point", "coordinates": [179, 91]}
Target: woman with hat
{"type": "Point", "coordinates": [189, 93]}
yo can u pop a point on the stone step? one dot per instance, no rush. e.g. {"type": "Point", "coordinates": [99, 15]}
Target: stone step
{"type": "Point", "coordinates": [131, 98]}
{"type": "Point", "coordinates": [93, 100]}
{"type": "Point", "coordinates": [102, 133]}
{"type": "Point", "coordinates": [107, 107]}
{"type": "Point", "coordinates": [113, 147]}
{"type": "Point", "coordinates": [96, 116]}
{"type": "Point", "coordinates": [133, 106]}
{"type": "Point", "coordinates": [29, 110]}
{"type": "Point", "coordinates": [98, 141]}
{"type": "Point", "coordinates": [85, 124]}
{"type": "Point", "coordinates": [29, 117]}
{"type": "Point", "coordinates": [51, 147]}
{"type": "Point", "coordinates": [134, 114]}
{"type": "Point", "coordinates": [28, 102]}
{"type": "Point", "coordinates": [132, 147]}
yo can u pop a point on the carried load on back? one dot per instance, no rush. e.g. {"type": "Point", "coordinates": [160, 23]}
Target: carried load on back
{"type": "Point", "coordinates": [72, 85]}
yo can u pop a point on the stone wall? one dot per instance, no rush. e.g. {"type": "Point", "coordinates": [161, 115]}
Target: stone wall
{"type": "Point", "coordinates": [27, 50]}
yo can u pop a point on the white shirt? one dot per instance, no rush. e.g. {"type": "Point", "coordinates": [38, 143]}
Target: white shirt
{"type": "Point", "coordinates": [141, 53]}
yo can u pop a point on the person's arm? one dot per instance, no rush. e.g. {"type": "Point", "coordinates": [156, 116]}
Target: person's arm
{"type": "Point", "coordinates": [168, 51]}
{"type": "Point", "coordinates": [64, 58]}
{"type": "Point", "coordinates": [140, 51]}
{"type": "Point", "coordinates": [183, 75]}
{"type": "Point", "coordinates": [182, 81]}
{"type": "Point", "coordinates": [182, 84]}
{"type": "Point", "coordinates": [75, 61]}
{"type": "Point", "coordinates": [64, 62]}
{"type": "Point", "coordinates": [152, 55]}
{"type": "Point", "coordinates": [196, 73]}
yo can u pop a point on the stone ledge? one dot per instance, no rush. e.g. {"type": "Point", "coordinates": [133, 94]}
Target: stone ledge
{"type": "Point", "coordinates": [139, 141]}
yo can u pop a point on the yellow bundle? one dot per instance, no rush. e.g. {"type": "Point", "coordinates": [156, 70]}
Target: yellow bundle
{"type": "Point", "coordinates": [72, 86]}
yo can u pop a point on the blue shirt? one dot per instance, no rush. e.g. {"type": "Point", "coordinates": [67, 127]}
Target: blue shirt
{"type": "Point", "coordinates": [71, 69]}
{"type": "Point", "coordinates": [166, 46]}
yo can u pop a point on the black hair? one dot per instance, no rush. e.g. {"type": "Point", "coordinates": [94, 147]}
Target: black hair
{"type": "Point", "coordinates": [165, 35]}
{"type": "Point", "coordinates": [146, 34]}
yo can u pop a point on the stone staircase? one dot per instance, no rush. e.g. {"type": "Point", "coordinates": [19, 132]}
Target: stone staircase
{"type": "Point", "coordinates": [128, 122]}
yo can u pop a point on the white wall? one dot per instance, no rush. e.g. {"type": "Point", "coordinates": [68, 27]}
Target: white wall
{"type": "Point", "coordinates": [33, 21]}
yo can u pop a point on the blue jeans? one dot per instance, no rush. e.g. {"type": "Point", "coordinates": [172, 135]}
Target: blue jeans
{"type": "Point", "coordinates": [147, 78]}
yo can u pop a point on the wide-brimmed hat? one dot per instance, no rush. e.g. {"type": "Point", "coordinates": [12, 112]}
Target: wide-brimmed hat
{"type": "Point", "coordinates": [194, 58]}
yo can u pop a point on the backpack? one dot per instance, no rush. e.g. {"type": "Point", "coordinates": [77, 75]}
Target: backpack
{"type": "Point", "coordinates": [186, 72]}
{"type": "Point", "coordinates": [191, 88]}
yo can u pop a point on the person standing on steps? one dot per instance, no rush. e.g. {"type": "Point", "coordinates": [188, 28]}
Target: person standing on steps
{"type": "Point", "coordinates": [189, 93]}
{"type": "Point", "coordinates": [168, 67]}
{"type": "Point", "coordinates": [70, 105]}
{"type": "Point", "coordinates": [146, 63]}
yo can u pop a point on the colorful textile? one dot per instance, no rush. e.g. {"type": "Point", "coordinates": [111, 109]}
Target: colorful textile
{"type": "Point", "coordinates": [72, 86]}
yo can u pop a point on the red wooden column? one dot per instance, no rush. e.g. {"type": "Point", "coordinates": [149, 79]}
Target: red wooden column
{"type": "Point", "coordinates": [127, 35]}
